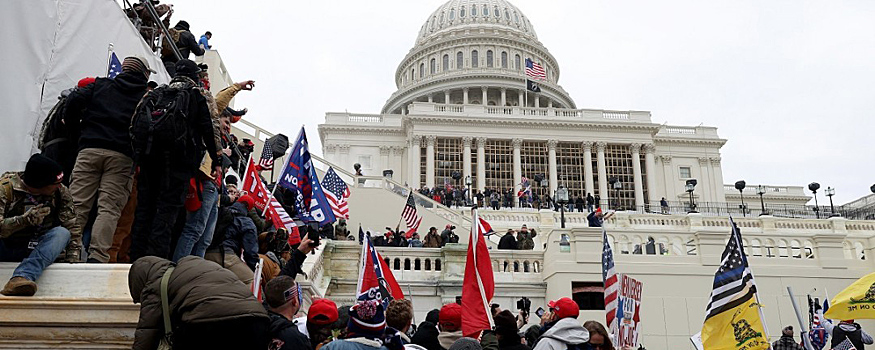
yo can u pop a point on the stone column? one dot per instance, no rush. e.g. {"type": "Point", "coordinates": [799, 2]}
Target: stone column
{"type": "Point", "coordinates": [384, 158]}
{"type": "Point", "coordinates": [429, 160]}
{"type": "Point", "coordinates": [503, 97]}
{"type": "Point", "coordinates": [554, 171]}
{"type": "Point", "coordinates": [537, 101]}
{"type": "Point", "coordinates": [330, 154]}
{"type": "Point", "coordinates": [517, 166]}
{"type": "Point", "coordinates": [704, 188]}
{"type": "Point", "coordinates": [718, 179]}
{"type": "Point", "coordinates": [466, 157]}
{"type": "Point", "coordinates": [636, 173]}
{"type": "Point", "coordinates": [520, 101]}
{"type": "Point", "coordinates": [650, 167]}
{"type": "Point", "coordinates": [481, 163]}
{"type": "Point", "coordinates": [396, 162]}
{"type": "Point", "coordinates": [414, 161]}
{"type": "Point", "coordinates": [603, 171]}
{"type": "Point", "coordinates": [668, 174]}
{"type": "Point", "coordinates": [484, 95]}
{"type": "Point", "coordinates": [430, 98]}
{"type": "Point", "coordinates": [344, 157]}
{"type": "Point", "coordinates": [550, 103]}
{"type": "Point", "coordinates": [465, 96]}
{"type": "Point", "coordinates": [446, 96]}
{"type": "Point", "coordinates": [587, 168]}
{"type": "Point", "coordinates": [403, 110]}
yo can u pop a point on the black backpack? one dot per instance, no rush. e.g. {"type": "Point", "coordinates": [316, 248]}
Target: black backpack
{"type": "Point", "coordinates": [160, 122]}
{"type": "Point", "coordinates": [53, 130]}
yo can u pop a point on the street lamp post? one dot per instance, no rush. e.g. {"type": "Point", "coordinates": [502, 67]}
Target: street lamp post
{"type": "Point", "coordinates": [468, 189]}
{"type": "Point", "coordinates": [616, 185]}
{"type": "Point", "coordinates": [829, 193]}
{"type": "Point", "coordinates": [761, 190]}
{"type": "Point", "coordinates": [691, 186]}
{"type": "Point", "coordinates": [562, 199]}
{"type": "Point", "coordinates": [813, 187]}
{"type": "Point", "coordinates": [739, 185]}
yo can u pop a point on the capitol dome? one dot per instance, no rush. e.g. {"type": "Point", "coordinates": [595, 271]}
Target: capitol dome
{"type": "Point", "coordinates": [474, 52]}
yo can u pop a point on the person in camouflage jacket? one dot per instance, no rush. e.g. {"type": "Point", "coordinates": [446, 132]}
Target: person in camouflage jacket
{"type": "Point", "coordinates": [36, 222]}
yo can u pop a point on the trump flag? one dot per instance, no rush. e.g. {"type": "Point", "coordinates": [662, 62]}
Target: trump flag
{"type": "Point", "coordinates": [299, 176]}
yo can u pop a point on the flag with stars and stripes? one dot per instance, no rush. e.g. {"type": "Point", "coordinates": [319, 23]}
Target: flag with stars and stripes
{"type": "Point", "coordinates": [535, 71]}
{"type": "Point", "coordinates": [375, 281]}
{"type": "Point", "coordinates": [337, 192]}
{"type": "Point", "coordinates": [845, 345]}
{"type": "Point", "coordinates": [612, 286]}
{"type": "Point", "coordinates": [411, 218]}
{"type": "Point", "coordinates": [115, 66]}
{"type": "Point", "coordinates": [266, 160]}
{"type": "Point", "coordinates": [732, 317]}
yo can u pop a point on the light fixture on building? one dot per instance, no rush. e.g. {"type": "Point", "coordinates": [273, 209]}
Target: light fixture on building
{"type": "Point", "coordinates": [617, 185]}
{"type": "Point", "coordinates": [761, 190]}
{"type": "Point", "coordinates": [691, 186]}
{"type": "Point", "coordinates": [739, 185]}
{"type": "Point", "coordinates": [564, 244]}
{"type": "Point", "coordinates": [829, 193]}
{"type": "Point", "coordinates": [562, 199]}
{"type": "Point", "coordinates": [813, 187]}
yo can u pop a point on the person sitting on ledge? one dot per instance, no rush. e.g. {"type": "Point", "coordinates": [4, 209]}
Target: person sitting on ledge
{"type": "Point", "coordinates": [36, 221]}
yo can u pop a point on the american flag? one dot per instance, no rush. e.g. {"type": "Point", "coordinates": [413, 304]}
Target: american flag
{"type": "Point", "coordinates": [817, 334]}
{"type": "Point", "coordinates": [411, 218]}
{"type": "Point", "coordinates": [534, 70]}
{"type": "Point", "coordinates": [337, 192]}
{"type": "Point", "coordinates": [115, 67]}
{"type": "Point", "coordinates": [266, 161]}
{"type": "Point", "coordinates": [612, 286]}
{"type": "Point", "coordinates": [733, 282]}
{"type": "Point", "coordinates": [845, 345]}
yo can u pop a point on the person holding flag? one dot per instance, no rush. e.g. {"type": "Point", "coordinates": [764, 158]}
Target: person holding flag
{"type": "Point", "coordinates": [299, 176]}
{"type": "Point", "coordinates": [733, 320]}
{"type": "Point", "coordinates": [857, 301]}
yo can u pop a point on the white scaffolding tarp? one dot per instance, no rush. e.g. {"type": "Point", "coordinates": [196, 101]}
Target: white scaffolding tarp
{"type": "Point", "coordinates": [48, 45]}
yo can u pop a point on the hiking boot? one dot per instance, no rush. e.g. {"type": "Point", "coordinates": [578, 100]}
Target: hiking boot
{"type": "Point", "coordinates": [19, 286]}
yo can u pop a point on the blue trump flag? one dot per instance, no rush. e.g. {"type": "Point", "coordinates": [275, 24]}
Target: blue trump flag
{"type": "Point", "coordinates": [299, 176]}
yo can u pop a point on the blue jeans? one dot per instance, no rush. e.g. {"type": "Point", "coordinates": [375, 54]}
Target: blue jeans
{"type": "Point", "coordinates": [49, 246]}
{"type": "Point", "coordinates": [199, 224]}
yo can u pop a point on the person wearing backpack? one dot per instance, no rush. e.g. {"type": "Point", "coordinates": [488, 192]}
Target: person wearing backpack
{"type": "Point", "coordinates": [171, 128]}
{"type": "Point", "coordinates": [564, 331]}
{"type": "Point", "coordinates": [101, 114]}
{"type": "Point", "coordinates": [184, 41]}
{"type": "Point", "coordinates": [56, 140]}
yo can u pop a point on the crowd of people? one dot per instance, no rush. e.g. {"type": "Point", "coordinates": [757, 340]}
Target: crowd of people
{"type": "Point", "coordinates": [496, 199]}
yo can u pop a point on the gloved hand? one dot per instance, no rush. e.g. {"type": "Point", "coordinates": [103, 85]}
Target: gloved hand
{"type": "Point", "coordinates": [35, 215]}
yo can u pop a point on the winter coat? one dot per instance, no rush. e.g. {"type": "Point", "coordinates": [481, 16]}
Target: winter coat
{"type": "Point", "coordinates": [101, 112]}
{"type": "Point", "coordinates": [242, 235]}
{"type": "Point", "coordinates": [353, 344]}
{"type": "Point", "coordinates": [513, 343]}
{"type": "Point", "coordinates": [187, 43]}
{"type": "Point", "coordinates": [507, 242]}
{"type": "Point", "coordinates": [199, 291]}
{"type": "Point", "coordinates": [567, 331]}
{"type": "Point", "coordinates": [415, 243]}
{"type": "Point", "coordinates": [14, 199]}
{"type": "Point", "coordinates": [525, 240]}
{"type": "Point", "coordinates": [426, 336]}
{"type": "Point", "coordinates": [852, 331]}
{"type": "Point", "coordinates": [432, 241]}
{"type": "Point", "coordinates": [285, 335]}
{"type": "Point", "coordinates": [786, 343]}
{"type": "Point", "coordinates": [448, 338]}
{"type": "Point", "coordinates": [594, 220]}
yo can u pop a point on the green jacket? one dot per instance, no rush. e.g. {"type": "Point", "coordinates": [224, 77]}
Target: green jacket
{"type": "Point", "coordinates": [15, 201]}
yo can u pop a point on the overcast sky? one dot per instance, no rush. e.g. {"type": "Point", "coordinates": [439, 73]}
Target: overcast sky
{"type": "Point", "coordinates": [788, 83]}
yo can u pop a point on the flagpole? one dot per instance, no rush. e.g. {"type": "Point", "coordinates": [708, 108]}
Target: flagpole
{"type": "Point", "coordinates": [805, 340]}
{"type": "Point", "coordinates": [109, 59]}
{"type": "Point", "coordinates": [475, 235]}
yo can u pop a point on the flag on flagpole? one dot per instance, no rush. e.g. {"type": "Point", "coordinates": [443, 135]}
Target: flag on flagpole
{"type": "Point", "coordinates": [732, 317]}
{"type": "Point", "coordinates": [253, 185]}
{"type": "Point", "coordinates": [266, 160]}
{"type": "Point", "coordinates": [256, 280]}
{"type": "Point", "coordinates": [115, 66]}
{"type": "Point", "coordinates": [280, 218]}
{"type": "Point", "coordinates": [535, 71]}
{"type": "Point", "coordinates": [337, 192]}
{"type": "Point", "coordinates": [411, 218]}
{"type": "Point", "coordinates": [478, 285]}
{"type": "Point", "coordinates": [375, 281]}
{"type": "Point", "coordinates": [855, 302]}
{"type": "Point", "coordinates": [486, 228]}
{"type": "Point", "coordinates": [612, 288]}
{"type": "Point", "coordinates": [299, 175]}
{"type": "Point", "coordinates": [817, 334]}
{"type": "Point", "coordinates": [532, 86]}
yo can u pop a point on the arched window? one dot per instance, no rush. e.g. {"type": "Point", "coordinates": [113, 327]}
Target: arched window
{"type": "Point", "coordinates": [442, 20]}
{"type": "Point", "coordinates": [475, 59]}
{"type": "Point", "coordinates": [446, 63]}
{"type": "Point", "coordinates": [437, 264]}
{"type": "Point", "coordinates": [407, 264]}
{"type": "Point", "coordinates": [517, 63]}
{"type": "Point", "coordinates": [496, 12]}
{"type": "Point", "coordinates": [421, 70]}
{"type": "Point", "coordinates": [506, 15]}
{"type": "Point", "coordinates": [489, 62]}
{"type": "Point", "coordinates": [462, 12]}
{"type": "Point", "coordinates": [452, 14]}
{"type": "Point", "coordinates": [427, 264]}
{"type": "Point", "coordinates": [432, 66]}
{"type": "Point", "coordinates": [485, 11]}
{"type": "Point", "coordinates": [397, 264]}
{"type": "Point", "coordinates": [460, 60]}
{"type": "Point", "coordinates": [516, 17]}
{"type": "Point", "coordinates": [504, 59]}
{"type": "Point", "coordinates": [417, 264]}
{"type": "Point", "coordinates": [474, 11]}
{"type": "Point", "coordinates": [412, 74]}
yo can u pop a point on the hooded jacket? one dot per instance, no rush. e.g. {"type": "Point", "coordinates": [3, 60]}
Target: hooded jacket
{"type": "Point", "coordinates": [242, 235]}
{"type": "Point", "coordinates": [187, 43]}
{"type": "Point", "coordinates": [426, 336]}
{"type": "Point", "coordinates": [285, 334]}
{"type": "Point", "coordinates": [786, 343]}
{"type": "Point", "coordinates": [199, 291]}
{"type": "Point", "coordinates": [448, 338]}
{"type": "Point", "coordinates": [508, 241]}
{"type": "Point", "coordinates": [567, 331]}
{"type": "Point", "coordinates": [101, 112]}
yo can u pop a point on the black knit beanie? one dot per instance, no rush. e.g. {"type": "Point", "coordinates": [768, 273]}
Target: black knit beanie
{"type": "Point", "coordinates": [42, 171]}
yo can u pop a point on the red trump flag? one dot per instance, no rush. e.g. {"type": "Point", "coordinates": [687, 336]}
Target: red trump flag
{"type": "Point", "coordinates": [478, 287]}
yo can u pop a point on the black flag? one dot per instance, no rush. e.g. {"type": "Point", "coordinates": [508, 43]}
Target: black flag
{"type": "Point", "coordinates": [532, 86]}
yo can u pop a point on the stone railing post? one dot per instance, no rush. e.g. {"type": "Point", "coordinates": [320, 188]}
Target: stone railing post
{"type": "Point", "coordinates": [829, 251]}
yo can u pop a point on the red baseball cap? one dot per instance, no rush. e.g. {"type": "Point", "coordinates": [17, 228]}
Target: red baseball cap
{"type": "Point", "coordinates": [85, 82]}
{"type": "Point", "coordinates": [247, 200]}
{"type": "Point", "coordinates": [322, 312]}
{"type": "Point", "coordinates": [451, 317]}
{"type": "Point", "coordinates": [564, 307]}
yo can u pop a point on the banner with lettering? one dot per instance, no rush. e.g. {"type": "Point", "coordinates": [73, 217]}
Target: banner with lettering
{"type": "Point", "coordinates": [628, 312]}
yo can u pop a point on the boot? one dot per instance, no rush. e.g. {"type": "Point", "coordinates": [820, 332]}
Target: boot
{"type": "Point", "coordinates": [19, 286]}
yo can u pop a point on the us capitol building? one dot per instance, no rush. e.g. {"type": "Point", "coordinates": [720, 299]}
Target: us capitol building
{"type": "Point", "coordinates": [461, 106]}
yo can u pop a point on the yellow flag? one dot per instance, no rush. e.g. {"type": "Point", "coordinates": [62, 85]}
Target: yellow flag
{"type": "Point", "coordinates": [855, 302]}
{"type": "Point", "coordinates": [738, 328]}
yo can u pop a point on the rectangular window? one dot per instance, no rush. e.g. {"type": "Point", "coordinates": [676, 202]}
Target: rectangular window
{"type": "Point", "coordinates": [685, 172]}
